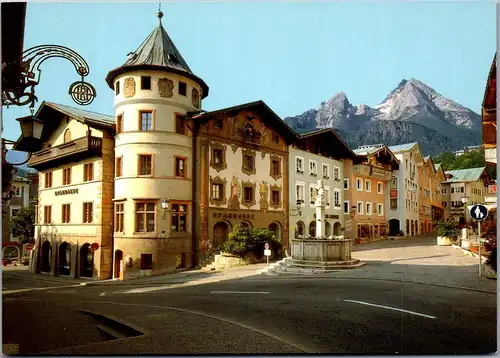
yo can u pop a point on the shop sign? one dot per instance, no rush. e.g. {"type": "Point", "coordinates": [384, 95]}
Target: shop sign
{"type": "Point", "coordinates": [329, 216]}
{"type": "Point", "coordinates": [492, 189]}
{"type": "Point", "coordinates": [66, 192]}
{"type": "Point", "coordinates": [225, 215]}
{"type": "Point", "coordinates": [394, 194]}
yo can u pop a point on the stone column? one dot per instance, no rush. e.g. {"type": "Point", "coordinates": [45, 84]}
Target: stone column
{"type": "Point", "coordinates": [320, 210]}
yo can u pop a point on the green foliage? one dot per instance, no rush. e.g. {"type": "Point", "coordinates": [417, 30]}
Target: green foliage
{"type": "Point", "coordinates": [471, 159]}
{"type": "Point", "coordinates": [446, 228]}
{"type": "Point", "coordinates": [242, 240]}
{"type": "Point", "coordinates": [22, 224]}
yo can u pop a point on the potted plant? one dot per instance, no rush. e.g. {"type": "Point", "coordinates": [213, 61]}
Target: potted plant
{"type": "Point", "coordinates": [446, 232]}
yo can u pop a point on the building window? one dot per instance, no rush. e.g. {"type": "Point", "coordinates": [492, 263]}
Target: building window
{"type": "Point", "coordinates": [180, 167]}
{"type": "Point", "coordinates": [346, 184]}
{"type": "Point", "coordinates": [145, 219]}
{"type": "Point", "coordinates": [87, 212]}
{"type": "Point", "coordinates": [368, 208]}
{"type": "Point", "coordinates": [17, 190]}
{"type": "Point", "coordinates": [119, 124]}
{"type": "Point", "coordinates": [299, 165]}
{"type": "Point", "coordinates": [380, 188]}
{"type": "Point", "coordinates": [119, 214]}
{"type": "Point", "coordinates": [313, 170]}
{"type": "Point", "coordinates": [66, 213]}
{"type": "Point", "coordinates": [118, 167]}
{"type": "Point", "coordinates": [145, 120]}
{"type": "Point", "coordinates": [145, 164]}
{"type": "Point", "coordinates": [346, 207]}
{"type": "Point", "coordinates": [275, 197]}
{"type": "Point", "coordinates": [179, 217]}
{"type": "Point", "coordinates": [88, 172]}
{"type": "Point", "coordinates": [445, 204]}
{"type": "Point", "coordinates": [248, 194]}
{"type": "Point", "coordinates": [217, 190]}
{"type": "Point", "coordinates": [326, 171]}
{"type": "Point", "coordinates": [380, 209]}
{"type": "Point", "coordinates": [117, 88]}
{"type": "Point", "coordinates": [217, 123]}
{"type": "Point", "coordinates": [276, 139]}
{"type": "Point", "coordinates": [217, 156]}
{"type": "Point", "coordinates": [327, 197]}
{"type": "Point", "coordinates": [360, 208]}
{"type": "Point", "coordinates": [336, 198]}
{"type": "Point", "coordinates": [66, 176]}
{"type": "Point", "coordinates": [299, 192]}
{"type": "Point", "coordinates": [180, 125]}
{"type": "Point", "coordinates": [67, 136]}
{"type": "Point", "coordinates": [368, 185]}
{"type": "Point", "coordinates": [48, 180]}
{"type": "Point", "coordinates": [145, 82]}
{"type": "Point", "coordinates": [275, 167]}
{"type": "Point", "coordinates": [312, 194]}
{"type": "Point", "coordinates": [394, 204]}
{"type": "Point", "coordinates": [248, 166]}
{"type": "Point", "coordinates": [47, 214]}
{"type": "Point", "coordinates": [182, 88]}
{"type": "Point", "coordinates": [336, 173]}
{"type": "Point", "coordinates": [359, 184]}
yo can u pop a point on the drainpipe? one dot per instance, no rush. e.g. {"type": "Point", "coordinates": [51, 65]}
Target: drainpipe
{"type": "Point", "coordinates": [194, 255]}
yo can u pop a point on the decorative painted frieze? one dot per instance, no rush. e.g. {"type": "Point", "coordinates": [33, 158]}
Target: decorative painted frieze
{"type": "Point", "coordinates": [165, 87]}
{"type": "Point", "coordinates": [129, 90]}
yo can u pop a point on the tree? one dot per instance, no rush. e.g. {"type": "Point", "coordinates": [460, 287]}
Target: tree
{"type": "Point", "coordinates": [470, 159]}
{"type": "Point", "coordinates": [22, 224]}
{"type": "Point", "coordinates": [8, 174]}
{"type": "Point", "coordinates": [242, 240]}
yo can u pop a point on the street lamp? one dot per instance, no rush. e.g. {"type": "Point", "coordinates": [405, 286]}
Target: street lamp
{"type": "Point", "coordinates": [465, 200]}
{"type": "Point", "coordinates": [297, 210]}
{"type": "Point", "coordinates": [165, 205]}
{"type": "Point", "coordinates": [353, 211]}
{"type": "Point", "coordinates": [30, 140]}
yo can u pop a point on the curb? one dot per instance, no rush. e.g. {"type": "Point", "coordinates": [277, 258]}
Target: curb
{"type": "Point", "coordinates": [10, 292]}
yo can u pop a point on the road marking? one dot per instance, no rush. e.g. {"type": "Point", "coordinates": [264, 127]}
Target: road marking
{"type": "Point", "coordinates": [8, 292]}
{"type": "Point", "coordinates": [238, 292]}
{"type": "Point", "coordinates": [390, 308]}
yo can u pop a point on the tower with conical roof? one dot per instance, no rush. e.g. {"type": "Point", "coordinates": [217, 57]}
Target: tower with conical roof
{"type": "Point", "coordinates": [154, 91]}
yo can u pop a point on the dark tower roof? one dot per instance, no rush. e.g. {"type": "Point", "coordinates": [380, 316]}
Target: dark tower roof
{"type": "Point", "coordinates": [157, 52]}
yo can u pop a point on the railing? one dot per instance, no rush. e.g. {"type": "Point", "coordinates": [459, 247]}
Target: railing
{"type": "Point", "coordinates": [368, 170]}
{"type": "Point", "coordinates": [490, 155]}
{"type": "Point", "coordinates": [77, 146]}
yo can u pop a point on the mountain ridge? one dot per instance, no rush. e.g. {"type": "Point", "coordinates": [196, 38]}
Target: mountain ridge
{"type": "Point", "coordinates": [411, 112]}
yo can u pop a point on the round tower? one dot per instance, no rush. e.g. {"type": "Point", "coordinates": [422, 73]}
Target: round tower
{"type": "Point", "coordinates": [154, 91]}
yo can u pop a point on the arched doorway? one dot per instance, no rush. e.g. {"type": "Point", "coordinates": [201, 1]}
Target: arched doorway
{"type": "Point", "coordinates": [86, 261]}
{"type": "Point", "coordinates": [221, 232]}
{"type": "Point", "coordinates": [429, 227]}
{"type": "Point", "coordinates": [394, 227]}
{"type": "Point", "coordinates": [46, 255]}
{"type": "Point", "coordinates": [118, 269]}
{"type": "Point", "coordinates": [312, 229]}
{"type": "Point", "coordinates": [246, 224]}
{"type": "Point", "coordinates": [11, 252]}
{"type": "Point", "coordinates": [64, 259]}
{"type": "Point", "coordinates": [299, 230]}
{"type": "Point", "coordinates": [412, 223]}
{"type": "Point", "coordinates": [422, 230]}
{"type": "Point", "coordinates": [275, 227]}
{"type": "Point", "coordinates": [328, 228]}
{"type": "Point", "coordinates": [407, 227]}
{"type": "Point", "coordinates": [336, 229]}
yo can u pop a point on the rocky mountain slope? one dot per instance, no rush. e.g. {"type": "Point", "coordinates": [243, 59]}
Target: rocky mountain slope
{"type": "Point", "coordinates": [411, 112]}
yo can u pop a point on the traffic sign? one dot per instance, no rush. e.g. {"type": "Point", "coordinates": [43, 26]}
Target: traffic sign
{"type": "Point", "coordinates": [479, 212]}
{"type": "Point", "coordinates": [267, 252]}
{"type": "Point", "coordinates": [266, 246]}
{"type": "Point", "coordinates": [94, 246]}
{"type": "Point", "coordinates": [29, 247]}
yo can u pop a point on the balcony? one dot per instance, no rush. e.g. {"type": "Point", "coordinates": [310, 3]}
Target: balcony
{"type": "Point", "coordinates": [74, 150]}
{"type": "Point", "coordinates": [368, 170]}
{"type": "Point", "coordinates": [490, 155]}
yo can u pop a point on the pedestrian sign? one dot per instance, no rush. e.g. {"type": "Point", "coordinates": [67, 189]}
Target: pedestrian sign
{"type": "Point", "coordinates": [479, 212]}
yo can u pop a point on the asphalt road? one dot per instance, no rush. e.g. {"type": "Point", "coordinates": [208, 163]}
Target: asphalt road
{"type": "Point", "coordinates": [259, 314]}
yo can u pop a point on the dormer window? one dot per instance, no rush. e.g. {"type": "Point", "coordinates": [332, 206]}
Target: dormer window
{"type": "Point", "coordinates": [117, 88]}
{"type": "Point", "coordinates": [172, 58]}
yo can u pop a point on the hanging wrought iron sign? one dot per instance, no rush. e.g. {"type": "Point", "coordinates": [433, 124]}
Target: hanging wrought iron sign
{"type": "Point", "coordinates": [82, 92]}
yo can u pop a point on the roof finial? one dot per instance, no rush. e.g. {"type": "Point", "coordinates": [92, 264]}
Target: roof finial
{"type": "Point", "coordinates": [160, 14]}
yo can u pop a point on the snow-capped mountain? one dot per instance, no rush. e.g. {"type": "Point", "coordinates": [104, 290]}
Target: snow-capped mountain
{"type": "Point", "coordinates": [411, 112]}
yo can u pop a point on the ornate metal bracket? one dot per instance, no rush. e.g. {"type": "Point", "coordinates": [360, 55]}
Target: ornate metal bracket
{"type": "Point", "coordinates": [82, 92]}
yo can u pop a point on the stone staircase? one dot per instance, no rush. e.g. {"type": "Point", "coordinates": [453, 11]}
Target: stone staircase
{"type": "Point", "coordinates": [289, 266]}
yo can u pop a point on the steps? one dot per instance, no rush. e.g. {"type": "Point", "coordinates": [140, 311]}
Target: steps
{"type": "Point", "coordinates": [289, 266]}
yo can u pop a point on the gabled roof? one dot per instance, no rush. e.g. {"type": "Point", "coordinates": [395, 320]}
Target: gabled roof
{"type": "Point", "coordinates": [81, 115]}
{"type": "Point", "coordinates": [402, 147]}
{"type": "Point", "coordinates": [489, 99]}
{"type": "Point", "coordinates": [277, 123]}
{"type": "Point", "coordinates": [330, 136]}
{"type": "Point", "coordinates": [465, 175]}
{"type": "Point", "coordinates": [373, 150]}
{"type": "Point", "coordinates": [437, 166]}
{"type": "Point", "coordinates": [157, 52]}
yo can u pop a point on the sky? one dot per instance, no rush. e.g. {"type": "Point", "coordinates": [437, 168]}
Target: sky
{"type": "Point", "coordinates": [291, 55]}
